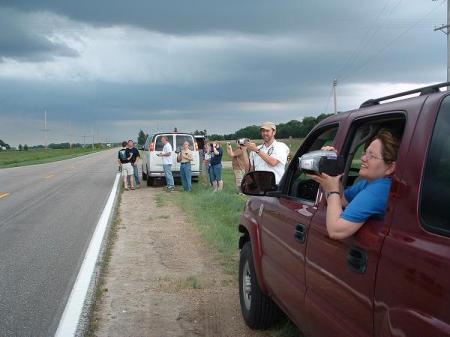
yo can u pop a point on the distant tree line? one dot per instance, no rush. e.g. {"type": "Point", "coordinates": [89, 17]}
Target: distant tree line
{"type": "Point", "coordinates": [3, 144]}
{"type": "Point", "coordinates": [293, 128]}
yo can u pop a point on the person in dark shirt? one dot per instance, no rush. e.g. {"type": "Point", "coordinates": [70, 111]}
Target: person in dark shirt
{"type": "Point", "coordinates": [134, 161]}
{"type": "Point", "coordinates": [215, 166]}
{"type": "Point", "coordinates": [123, 157]}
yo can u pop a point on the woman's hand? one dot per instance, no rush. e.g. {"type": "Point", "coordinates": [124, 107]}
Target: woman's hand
{"type": "Point", "coordinates": [328, 183]}
{"type": "Point", "coordinates": [329, 148]}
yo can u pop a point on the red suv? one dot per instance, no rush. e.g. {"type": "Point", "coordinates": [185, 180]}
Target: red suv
{"type": "Point", "coordinates": [391, 278]}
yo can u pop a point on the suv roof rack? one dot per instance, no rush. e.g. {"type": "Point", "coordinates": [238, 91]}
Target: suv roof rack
{"type": "Point", "coordinates": [423, 91]}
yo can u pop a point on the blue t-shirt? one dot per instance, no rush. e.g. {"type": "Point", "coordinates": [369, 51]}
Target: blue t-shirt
{"type": "Point", "coordinates": [216, 159]}
{"type": "Point", "coordinates": [366, 200]}
{"type": "Point", "coordinates": [136, 154]}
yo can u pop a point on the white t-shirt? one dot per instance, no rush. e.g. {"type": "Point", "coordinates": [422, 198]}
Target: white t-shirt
{"type": "Point", "coordinates": [167, 160]}
{"type": "Point", "coordinates": [277, 150]}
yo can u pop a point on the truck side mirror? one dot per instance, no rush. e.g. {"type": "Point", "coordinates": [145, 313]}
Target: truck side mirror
{"type": "Point", "coordinates": [258, 183]}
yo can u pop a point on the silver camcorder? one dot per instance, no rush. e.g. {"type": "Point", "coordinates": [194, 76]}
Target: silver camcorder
{"type": "Point", "coordinates": [243, 141]}
{"type": "Point", "coordinates": [317, 162]}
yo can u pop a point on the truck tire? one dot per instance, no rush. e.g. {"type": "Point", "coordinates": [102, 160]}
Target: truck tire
{"type": "Point", "coordinates": [144, 174]}
{"type": "Point", "coordinates": [258, 310]}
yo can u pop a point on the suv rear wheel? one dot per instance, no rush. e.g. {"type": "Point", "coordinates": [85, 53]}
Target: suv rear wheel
{"type": "Point", "coordinates": [258, 310]}
{"type": "Point", "coordinates": [144, 173]}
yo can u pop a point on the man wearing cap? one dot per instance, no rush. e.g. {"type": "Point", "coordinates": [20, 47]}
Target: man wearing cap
{"type": "Point", "coordinates": [271, 155]}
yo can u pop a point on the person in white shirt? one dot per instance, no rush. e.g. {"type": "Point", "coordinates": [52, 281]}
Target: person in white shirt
{"type": "Point", "coordinates": [272, 155]}
{"type": "Point", "coordinates": [166, 155]}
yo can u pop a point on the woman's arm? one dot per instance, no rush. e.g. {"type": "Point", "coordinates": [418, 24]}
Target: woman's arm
{"type": "Point", "coordinates": [337, 227]}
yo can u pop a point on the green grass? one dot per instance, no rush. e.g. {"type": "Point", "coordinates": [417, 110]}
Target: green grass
{"type": "Point", "coordinates": [216, 216]}
{"type": "Point", "coordinates": [293, 143]}
{"type": "Point", "coordinates": [30, 157]}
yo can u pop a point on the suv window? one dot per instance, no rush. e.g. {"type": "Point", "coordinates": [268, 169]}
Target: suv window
{"type": "Point", "coordinates": [435, 194]}
{"type": "Point", "coordinates": [360, 137]}
{"type": "Point", "coordinates": [182, 138]}
{"type": "Point", "coordinates": [301, 185]}
{"type": "Point", "coordinates": [159, 144]}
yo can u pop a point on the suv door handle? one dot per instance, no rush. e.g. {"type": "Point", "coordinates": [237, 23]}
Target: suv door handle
{"type": "Point", "coordinates": [300, 233]}
{"type": "Point", "coordinates": [357, 260]}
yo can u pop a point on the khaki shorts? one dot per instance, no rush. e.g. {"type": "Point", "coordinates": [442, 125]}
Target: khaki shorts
{"type": "Point", "coordinates": [238, 175]}
{"type": "Point", "coordinates": [127, 170]}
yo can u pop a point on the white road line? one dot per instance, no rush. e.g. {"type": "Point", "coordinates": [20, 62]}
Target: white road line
{"type": "Point", "coordinates": [72, 312]}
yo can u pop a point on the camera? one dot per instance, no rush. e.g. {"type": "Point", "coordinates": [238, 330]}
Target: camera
{"type": "Point", "coordinates": [317, 162]}
{"type": "Point", "coordinates": [243, 141]}
{"type": "Point", "coordinates": [178, 150]}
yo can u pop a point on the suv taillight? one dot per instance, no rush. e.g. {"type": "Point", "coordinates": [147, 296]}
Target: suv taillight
{"type": "Point", "coordinates": [152, 147]}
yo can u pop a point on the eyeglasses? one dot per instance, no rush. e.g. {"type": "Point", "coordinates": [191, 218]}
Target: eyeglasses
{"type": "Point", "coordinates": [370, 155]}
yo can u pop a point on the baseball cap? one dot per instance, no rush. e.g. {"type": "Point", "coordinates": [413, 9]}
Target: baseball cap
{"type": "Point", "coordinates": [268, 126]}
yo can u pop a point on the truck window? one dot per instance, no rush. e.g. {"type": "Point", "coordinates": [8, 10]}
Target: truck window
{"type": "Point", "coordinates": [302, 186]}
{"type": "Point", "coordinates": [180, 139]}
{"type": "Point", "coordinates": [159, 144]}
{"type": "Point", "coordinates": [435, 193]}
{"type": "Point", "coordinates": [360, 137]}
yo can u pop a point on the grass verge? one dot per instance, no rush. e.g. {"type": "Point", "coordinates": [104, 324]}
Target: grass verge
{"type": "Point", "coordinates": [41, 156]}
{"type": "Point", "coordinates": [216, 216]}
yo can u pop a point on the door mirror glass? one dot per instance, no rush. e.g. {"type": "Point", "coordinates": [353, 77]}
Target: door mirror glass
{"type": "Point", "coordinates": [258, 183]}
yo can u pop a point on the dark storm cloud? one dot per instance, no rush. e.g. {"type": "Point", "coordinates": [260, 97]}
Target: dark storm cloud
{"type": "Point", "coordinates": [24, 38]}
{"type": "Point", "coordinates": [245, 54]}
{"type": "Point", "coordinates": [186, 17]}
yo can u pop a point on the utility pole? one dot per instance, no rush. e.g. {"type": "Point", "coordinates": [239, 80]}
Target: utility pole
{"type": "Point", "coordinates": [84, 141]}
{"type": "Point", "coordinates": [446, 30]}
{"type": "Point", "coordinates": [70, 135]}
{"type": "Point", "coordinates": [45, 130]}
{"type": "Point", "coordinates": [334, 95]}
{"type": "Point", "coordinates": [92, 132]}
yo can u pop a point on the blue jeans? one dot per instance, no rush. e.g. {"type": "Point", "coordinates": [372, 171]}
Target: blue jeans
{"type": "Point", "coordinates": [169, 177]}
{"type": "Point", "coordinates": [215, 172]}
{"type": "Point", "coordinates": [186, 176]}
{"type": "Point", "coordinates": [136, 175]}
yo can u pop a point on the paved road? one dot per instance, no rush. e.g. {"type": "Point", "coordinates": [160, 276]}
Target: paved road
{"type": "Point", "coordinates": [46, 222]}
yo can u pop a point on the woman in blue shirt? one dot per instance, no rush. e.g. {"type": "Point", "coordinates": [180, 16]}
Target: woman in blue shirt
{"type": "Point", "coordinates": [365, 199]}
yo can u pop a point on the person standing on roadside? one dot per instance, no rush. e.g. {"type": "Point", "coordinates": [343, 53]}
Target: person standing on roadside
{"type": "Point", "coordinates": [134, 161]}
{"type": "Point", "coordinates": [166, 155]}
{"type": "Point", "coordinates": [206, 166]}
{"type": "Point", "coordinates": [185, 157]}
{"type": "Point", "coordinates": [215, 169]}
{"type": "Point", "coordinates": [271, 155]}
{"type": "Point", "coordinates": [239, 159]}
{"type": "Point", "coordinates": [124, 157]}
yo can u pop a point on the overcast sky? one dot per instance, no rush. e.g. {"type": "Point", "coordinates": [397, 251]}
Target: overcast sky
{"type": "Point", "coordinates": [110, 68]}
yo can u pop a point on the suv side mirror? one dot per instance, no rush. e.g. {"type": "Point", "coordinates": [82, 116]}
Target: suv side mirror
{"type": "Point", "coordinates": [258, 183]}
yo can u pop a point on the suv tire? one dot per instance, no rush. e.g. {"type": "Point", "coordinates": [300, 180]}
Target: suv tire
{"type": "Point", "coordinates": [258, 310]}
{"type": "Point", "coordinates": [144, 174]}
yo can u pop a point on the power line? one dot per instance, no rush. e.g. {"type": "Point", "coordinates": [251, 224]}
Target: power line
{"type": "Point", "coordinates": [365, 42]}
{"type": "Point", "coordinates": [388, 44]}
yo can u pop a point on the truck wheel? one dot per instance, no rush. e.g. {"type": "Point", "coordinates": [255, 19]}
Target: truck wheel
{"type": "Point", "coordinates": [258, 310]}
{"type": "Point", "coordinates": [144, 175]}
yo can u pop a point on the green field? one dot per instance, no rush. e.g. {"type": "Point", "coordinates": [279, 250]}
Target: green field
{"type": "Point", "coordinates": [40, 156]}
{"type": "Point", "coordinates": [216, 216]}
{"type": "Point", "coordinates": [293, 143]}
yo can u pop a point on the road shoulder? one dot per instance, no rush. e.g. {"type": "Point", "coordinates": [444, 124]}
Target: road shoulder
{"type": "Point", "coordinates": [161, 279]}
